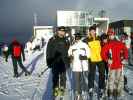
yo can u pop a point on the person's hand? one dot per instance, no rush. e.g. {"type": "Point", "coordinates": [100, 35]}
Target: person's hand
{"type": "Point", "coordinates": [82, 57]}
{"type": "Point", "coordinates": [124, 62]}
{"type": "Point", "coordinates": [110, 61]}
{"type": "Point", "coordinates": [71, 58]}
{"type": "Point", "coordinates": [6, 60]}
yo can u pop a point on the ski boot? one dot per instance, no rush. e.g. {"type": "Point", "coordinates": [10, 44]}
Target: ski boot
{"type": "Point", "coordinates": [91, 93]}
{"type": "Point", "coordinates": [77, 96]}
{"type": "Point", "coordinates": [16, 75]}
{"type": "Point", "coordinates": [110, 95]}
{"type": "Point", "coordinates": [100, 94]}
{"type": "Point", "coordinates": [56, 92]}
{"type": "Point", "coordinates": [115, 94]}
{"type": "Point", "coordinates": [62, 91]}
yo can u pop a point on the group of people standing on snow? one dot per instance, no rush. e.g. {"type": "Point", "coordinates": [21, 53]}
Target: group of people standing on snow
{"type": "Point", "coordinates": [104, 52]}
{"type": "Point", "coordinates": [83, 55]}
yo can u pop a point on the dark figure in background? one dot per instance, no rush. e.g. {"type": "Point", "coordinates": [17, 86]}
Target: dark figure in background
{"type": "Point", "coordinates": [5, 52]}
{"type": "Point", "coordinates": [43, 42]}
{"type": "Point", "coordinates": [125, 39]}
{"type": "Point", "coordinates": [16, 50]}
{"type": "Point", "coordinates": [104, 41]}
{"type": "Point", "coordinates": [57, 59]}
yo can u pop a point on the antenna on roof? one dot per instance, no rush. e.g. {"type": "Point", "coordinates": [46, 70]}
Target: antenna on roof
{"type": "Point", "coordinates": [35, 19]}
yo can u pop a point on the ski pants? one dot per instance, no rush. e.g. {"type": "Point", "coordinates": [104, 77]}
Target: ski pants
{"type": "Point", "coordinates": [106, 69]}
{"type": "Point", "coordinates": [125, 80]}
{"type": "Point", "coordinates": [130, 58]}
{"type": "Point", "coordinates": [116, 82]}
{"type": "Point", "coordinates": [80, 81]}
{"type": "Point", "coordinates": [92, 73]}
{"type": "Point", "coordinates": [59, 79]}
{"type": "Point", "coordinates": [5, 55]}
{"type": "Point", "coordinates": [17, 62]}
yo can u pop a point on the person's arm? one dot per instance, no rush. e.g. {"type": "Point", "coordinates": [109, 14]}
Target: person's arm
{"type": "Point", "coordinates": [88, 52]}
{"type": "Point", "coordinates": [70, 51]}
{"type": "Point", "coordinates": [70, 55]}
{"type": "Point", "coordinates": [104, 52]}
{"type": "Point", "coordinates": [67, 43]}
{"type": "Point", "coordinates": [49, 53]}
{"type": "Point", "coordinates": [124, 58]}
{"type": "Point", "coordinates": [125, 52]}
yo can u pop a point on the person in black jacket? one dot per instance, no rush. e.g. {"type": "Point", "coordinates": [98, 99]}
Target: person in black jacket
{"type": "Point", "coordinates": [104, 40]}
{"type": "Point", "coordinates": [57, 59]}
{"type": "Point", "coordinates": [16, 50]}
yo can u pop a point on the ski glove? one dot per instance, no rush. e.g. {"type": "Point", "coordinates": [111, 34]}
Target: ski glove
{"type": "Point", "coordinates": [71, 58]}
{"type": "Point", "coordinates": [82, 57]}
{"type": "Point", "coordinates": [6, 60]}
{"type": "Point", "coordinates": [124, 62]}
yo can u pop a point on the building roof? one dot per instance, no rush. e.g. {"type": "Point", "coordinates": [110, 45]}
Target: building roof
{"type": "Point", "coordinates": [122, 23]}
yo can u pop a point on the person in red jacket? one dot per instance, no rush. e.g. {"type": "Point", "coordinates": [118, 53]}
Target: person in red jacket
{"type": "Point", "coordinates": [111, 53]}
{"type": "Point", "coordinates": [16, 51]}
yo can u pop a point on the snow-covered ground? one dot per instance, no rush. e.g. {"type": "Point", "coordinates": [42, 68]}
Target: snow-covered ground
{"type": "Point", "coordinates": [25, 87]}
{"type": "Point", "coordinates": [33, 87]}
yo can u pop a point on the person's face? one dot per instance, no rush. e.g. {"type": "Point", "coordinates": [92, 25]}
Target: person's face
{"type": "Point", "coordinates": [105, 40]}
{"type": "Point", "coordinates": [61, 34]}
{"type": "Point", "coordinates": [77, 39]}
{"type": "Point", "coordinates": [93, 33]}
{"type": "Point", "coordinates": [111, 37]}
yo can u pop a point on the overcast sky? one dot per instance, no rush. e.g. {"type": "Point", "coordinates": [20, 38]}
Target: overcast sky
{"type": "Point", "coordinates": [16, 16]}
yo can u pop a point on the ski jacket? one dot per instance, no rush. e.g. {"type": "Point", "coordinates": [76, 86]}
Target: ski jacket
{"type": "Point", "coordinates": [95, 48]}
{"type": "Point", "coordinates": [77, 49]}
{"type": "Point", "coordinates": [57, 53]}
{"type": "Point", "coordinates": [11, 50]}
{"type": "Point", "coordinates": [116, 48]}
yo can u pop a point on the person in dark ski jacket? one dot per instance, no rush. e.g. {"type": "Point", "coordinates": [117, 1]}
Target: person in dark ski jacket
{"type": "Point", "coordinates": [16, 50]}
{"type": "Point", "coordinates": [104, 40]}
{"type": "Point", "coordinates": [57, 59]}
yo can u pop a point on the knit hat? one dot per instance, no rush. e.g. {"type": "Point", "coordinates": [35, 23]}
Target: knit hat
{"type": "Point", "coordinates": [62, 28]}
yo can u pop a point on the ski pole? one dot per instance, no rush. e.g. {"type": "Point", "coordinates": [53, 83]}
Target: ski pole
{"type": "Point", "coordinates": [59, 80]}
{"type": "Point", "coordinates": [59, 86]}
{"type": "Point", "coordinates": [43, 72]}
